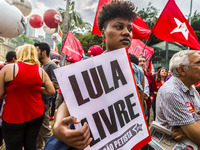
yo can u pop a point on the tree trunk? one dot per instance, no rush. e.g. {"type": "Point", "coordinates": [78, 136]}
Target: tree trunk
{"type": "Point", "coordinates": [65, 29]}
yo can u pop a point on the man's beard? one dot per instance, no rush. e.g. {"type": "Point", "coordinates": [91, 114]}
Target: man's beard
{"type": "Point", "coordinates": [40, 59]}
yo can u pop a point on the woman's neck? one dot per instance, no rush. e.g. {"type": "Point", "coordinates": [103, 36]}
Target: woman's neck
{"type": "Point", "coordinates": [162, 79]}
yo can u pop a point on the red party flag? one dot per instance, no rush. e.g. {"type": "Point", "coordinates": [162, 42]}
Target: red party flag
{"type": "Point", "coordinates": [140, 29]}
{"type": "Point", "coordinates": [138, 48]}
{"type": "Point", "coordinates": [172, 26]}
{"type": "Point", "coordinates": [72, 47]}
{"type": "Point", "coordinates": [95, 29]}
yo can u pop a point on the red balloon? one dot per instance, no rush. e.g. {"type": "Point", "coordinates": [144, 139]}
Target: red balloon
{"type": "Point", "coordinates": [36, 21]}
{"type": "Point", "coordinates": [52, 18]}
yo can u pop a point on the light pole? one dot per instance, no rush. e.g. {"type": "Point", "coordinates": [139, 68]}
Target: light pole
{"type": "Point", "coordinates": [190, 15]}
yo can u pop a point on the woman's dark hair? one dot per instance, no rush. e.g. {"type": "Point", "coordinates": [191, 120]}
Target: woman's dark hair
{"type": "Point", "coordinates": [114, 9]}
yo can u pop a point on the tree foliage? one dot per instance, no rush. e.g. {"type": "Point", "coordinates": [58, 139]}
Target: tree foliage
{"type": "Point", "coordinates": [196, 23]}
{"type": "Point", "coordinates": [150, 15]}
{"type": "Point", "coordinates": [87, 40]}
{"type": "Point", "coordinates": [75, 23]}
{"type": "Point", "coordinates": [21, 40]}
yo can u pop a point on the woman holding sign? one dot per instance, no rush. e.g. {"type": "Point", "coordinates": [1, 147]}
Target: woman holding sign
{"type": "Point", "coordinates": [115, 23]}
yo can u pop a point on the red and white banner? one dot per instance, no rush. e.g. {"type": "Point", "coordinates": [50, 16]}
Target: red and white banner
{"type": "Point", "coordinates": [172, 26]}
{"type": "Point", "coordinates": [72, 47]}
{"type": "Point", "coordinates": [137, 48]}
{"type": "Point", "coordinates": [102, 92]}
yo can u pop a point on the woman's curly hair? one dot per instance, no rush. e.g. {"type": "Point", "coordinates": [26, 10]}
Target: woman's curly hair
{"type": "Point", "coordinates": [114, 9]}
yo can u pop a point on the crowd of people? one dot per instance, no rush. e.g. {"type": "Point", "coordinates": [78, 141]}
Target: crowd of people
{"type": "Point", "coordinates": [32, 94]}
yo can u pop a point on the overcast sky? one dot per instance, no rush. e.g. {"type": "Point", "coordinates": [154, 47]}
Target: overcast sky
{"type": "Point", "coordinates": [87, 8]}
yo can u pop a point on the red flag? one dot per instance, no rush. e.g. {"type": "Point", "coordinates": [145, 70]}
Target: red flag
{"type": "Point", "coordinates": [137, 47]}
{"type": "Point", "coordinates": [95, 29]}
{"type": "Point", "coordinates": [151, 68]}
{"type": "Point", "coordinates": [172, 26]}
{"type": "Point", "coordinates": [72, 47]}
{"type": "Point", "coordinates": [140, 29]}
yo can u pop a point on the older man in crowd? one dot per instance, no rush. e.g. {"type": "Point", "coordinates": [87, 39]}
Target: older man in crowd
{"type": "Point", "coordinates": [178, 102]}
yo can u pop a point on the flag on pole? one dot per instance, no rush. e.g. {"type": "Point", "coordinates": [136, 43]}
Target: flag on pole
{"type": "Point", "coordinates": [59, 36]}
{"type": "Point", "coordinates": [151, 68]}
{"type": "Point", "coordinates": [55, 48]}
{"type": "Point", "coordinates": [72, 47]}
{"type": "Point", "coordinates": [137, 49]}
{"type": "Point", "coordinates": [54, 51]}
{"type": "Point", "coordinates": [140, 29]}
{"type": "Point", "coordinates": [172, 26]}
{"type": "Point", "coordinates": [95, 29]}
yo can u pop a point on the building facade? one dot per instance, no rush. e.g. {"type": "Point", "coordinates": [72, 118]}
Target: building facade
{"type": "Point", "coordinates": [5, 46]}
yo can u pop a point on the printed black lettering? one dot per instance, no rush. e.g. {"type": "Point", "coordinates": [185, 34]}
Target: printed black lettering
{"type": "Point", "coordinates": [106, 87]}
{"type": "Point", "coordinates": [99, 125]}
{"type": "Point", "coordinates": [130, 107]}
{"type": "Point", "coordinates": [120, 110]}
{"type": "Point", "coordinates": [91, 135]}
{"type": "Point", "coordinates": [111, 125]}
{"type": "Point", "coordinates": [77, 91]}
{"type": "Point", "coordinates": [96, 81]}
{"type": "Point", "coordinates": [117, 74]}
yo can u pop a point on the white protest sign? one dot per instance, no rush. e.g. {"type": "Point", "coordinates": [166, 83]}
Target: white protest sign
{"type": "Point", "coordinates": [102, 91]}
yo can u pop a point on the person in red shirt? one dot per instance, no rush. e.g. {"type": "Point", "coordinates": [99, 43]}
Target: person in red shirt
{"type": "Point", "coordinates": [21, 86]}
{"type": "Point", "coordinates": [161, 76]}
{"type": "Point", "coordinates": [160, 80]}
{"type": "Point", "coordinates": [152, 84]}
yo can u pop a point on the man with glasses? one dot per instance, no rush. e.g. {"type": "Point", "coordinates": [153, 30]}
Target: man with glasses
{"type": "Point", "coordinates": [178, 102]}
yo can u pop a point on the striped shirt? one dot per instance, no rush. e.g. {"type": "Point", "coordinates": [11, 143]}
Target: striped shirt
{"type": "Point", "coordinates": [177, 104]}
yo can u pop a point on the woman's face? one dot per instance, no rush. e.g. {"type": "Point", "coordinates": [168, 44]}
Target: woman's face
{"type": "Point", "coordinates": [163, 72]}
{"type": "Point", "coordinates": [117, 34]}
